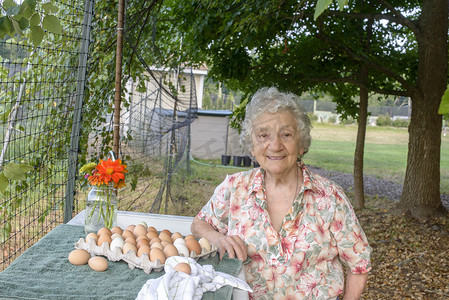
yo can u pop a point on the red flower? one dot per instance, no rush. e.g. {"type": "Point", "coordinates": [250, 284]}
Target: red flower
{"type": "Point", "coordinates": [107, 171]}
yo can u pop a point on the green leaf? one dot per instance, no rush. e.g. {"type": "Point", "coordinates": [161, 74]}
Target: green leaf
{"type": "Point", "coordinates": [24, 23]}
{"type": "Point", "coordinates": [444, 105]}
{"type": "Point", "coordinates": [13, 10]}
{"type": "Point", "coordinates": [5, 26]}
{"type": "Point", "coordinates": [15, 171]}
{"type": "Point", "coordinates": [37, 34]}
{"type": "Point", "coordinates": [16, 26]}
{"type": "Point", "coordinates": [8, 3]}
{"type": "Point", "coordinates": [35, 20]}
{"type": "Point", "coordinates": [51, 23]}
{"type": "Point", "coordinates": [342, 3]}
{"type": "Point", "coordinates": [50, 8]}
{"type": "Point", "coordinates": [321, 6]}
{"type": "Point", "coordinates": [4, 183]}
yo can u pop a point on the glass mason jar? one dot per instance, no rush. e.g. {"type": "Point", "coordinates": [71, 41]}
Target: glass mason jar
{"type": "Point", "coordinates": [101, 208]}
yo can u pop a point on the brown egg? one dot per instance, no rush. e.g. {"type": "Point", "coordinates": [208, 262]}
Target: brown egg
{"type": "Point", "coordinates": [183, 267]}
{"type": "Point", "coordinates": [115, 235]}
{"type": "Point", "coordinates": [79, 257]}
{"type": "Point", "coordinates": [144, 249]}
{"type": "Point", "coordinates": [155, 240]}
{"type": "Point", "coordinates": [164, 236]}
{"type": "Point", "coordinates": [139, 230]}
{"type": "Point", "coordinates": [128, 247]}
{"type": "Point", "coordinates": [130, 227]}
{"type": "Point", "coordinates": [131, 240]}
{"type": "Point", "coordinates": [142, 237]}
{"type": "Point", "coordinates": [157, 245]}
{"type": "Point", "coordinates": [116, 229]}
{"type": "Point", "coordinates": [92, 235]}
{"type": "Point", "coordinates": [193, 245]}
{"type": "Point", "coordinates": [104, 238]}
{"type": "Point", "coordinates": [151, 228]}
{"type": "Point", "coordinates": [157, 254]}
{"type": "Point", "coordinates": [166, 231]}
{"type": "Point", "coordinates": [103, 230]}
{"type": "Point", "coordinates": [151, 235]}
{"type": "Point", "coordinates": [165, 243]}
{"type": "Point", "coordinates": [170, 250]}
{"type": "Point", "coordinates": [176, 235]}
{"type": "Point", "coordinates": [143, 242]}
{"type": "Point", "coordinates": [98, 263]}
{"type": "Point", "coordinates": [189, 237]}
{"type": "Point", "coordinates": [127, 234]}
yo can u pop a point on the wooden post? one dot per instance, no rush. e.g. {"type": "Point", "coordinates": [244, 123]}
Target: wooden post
{"type": "Point", "coordinates": [118, 78]}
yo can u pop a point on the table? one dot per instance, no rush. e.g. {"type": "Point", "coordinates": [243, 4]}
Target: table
{"type": "Point", "coordinates": [43, 270]}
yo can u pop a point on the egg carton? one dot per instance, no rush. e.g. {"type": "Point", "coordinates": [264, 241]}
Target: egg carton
{"type": "Point", "coordinates": [131, 258]}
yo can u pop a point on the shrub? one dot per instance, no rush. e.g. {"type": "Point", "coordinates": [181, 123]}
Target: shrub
{"type": "Point", "coordinates": [347, 121]}
{"type": "Point", "coordinates": [401, 123]}
{"type": "Point", "coordinates": [332, 119]}
{"type": "Point", "coordinates": [312, 117]}
{"type": "Point", "coordinates": [384, 120]}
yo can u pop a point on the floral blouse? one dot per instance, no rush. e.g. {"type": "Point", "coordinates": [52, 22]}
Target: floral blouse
{"type": "Point", "coordinates": [303, 260]}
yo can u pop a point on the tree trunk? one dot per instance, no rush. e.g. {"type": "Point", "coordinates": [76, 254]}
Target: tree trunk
{"type": "Point", "coordinates": [421, 191]}
{"type": "Point", "coordinates": [359, 191]}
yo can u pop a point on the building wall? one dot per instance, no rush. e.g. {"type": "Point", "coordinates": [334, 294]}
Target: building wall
{"type": "Point", "coordinates": [208, 137]}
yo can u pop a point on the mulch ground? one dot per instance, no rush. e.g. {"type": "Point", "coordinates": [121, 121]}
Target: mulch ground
{"type": "Point", "coordinates": [410, 257]}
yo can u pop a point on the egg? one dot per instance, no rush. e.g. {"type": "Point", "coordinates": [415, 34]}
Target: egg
{"type": "Point", "coordinates": [151, 235]}
{"type": "Point", "coordinates": [139, 230]}
{"type": "Point", "coordinates": [204, 243]}
{"type": "Point", "coordinates": [143, 223]}
{"type": "Point", "coordinates": [176, 235]}
{"type": "Point", "coordinates": [128, 247]}
{"type": "Point", "coordinates": [127, 234]}
{"type": "Point", "coordinates": [103, 230]}
{"type": "Point", "coordinates": [144, 249]}
{"type": "Point", "coordinates": [194, 246]}
{"type": "Point", "coordinates": [170, 250]}
{"type": "Point", "coordinates": [157, 245]}
{"type": "Point", "coordinates": [92, 235]}
{"type": "Point", "coordinates": [142, 237]}
{"type": "Point", "coordinates": [157, 254]}
{"type": "Point", "coordinates": [179, 241]}
{"type": "Point", "coordinates": [104, 238]}
{"type": "Point", "coordinates": [116, 229]}
{"type": "Point", "coordinates": [183, 267]}
{"type": "Point", "coordinates": [167, 232]}
{"type": "Point", "coordinates": [130, 227]}
{"type": "Point", "coordinates": [98, 263]}
{"type": "Point", "coordinates": [142, 242]}
{"type": "Point", "coordinates": [131, 240]}
{"type": "Point", "coordinates": [114, 235]}
{"type": "Point", "coordinates": [182, 249]}
{"type": "Point", "coordinates": [189, 237]}
{"type": "Point", "coordinates": [79, 257]}
{"type": "Point", "coordinates": [117, 242]}
{"type": "Point", "coordinates": [165, 243]}
{"type": "Point", "coordinates": [164, 236]}
{"type": "Point", "coordinates": [151, 228]}
{"type": "Point", "coordinates": [155, 240]}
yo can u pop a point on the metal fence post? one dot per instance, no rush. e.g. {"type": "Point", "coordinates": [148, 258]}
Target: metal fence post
{"type": "Point", "coordinates": [79, 98]}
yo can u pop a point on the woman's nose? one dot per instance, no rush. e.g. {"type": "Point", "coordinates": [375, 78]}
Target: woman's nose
{"type": "Point", "coordinates": [275, 143]}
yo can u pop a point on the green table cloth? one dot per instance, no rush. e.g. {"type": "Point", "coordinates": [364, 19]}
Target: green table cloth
{"type": "Point", "coordinates": [44, 272]}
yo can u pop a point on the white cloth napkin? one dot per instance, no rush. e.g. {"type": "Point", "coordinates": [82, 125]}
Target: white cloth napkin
{"type": "Point", "coordinates": [178, 285]}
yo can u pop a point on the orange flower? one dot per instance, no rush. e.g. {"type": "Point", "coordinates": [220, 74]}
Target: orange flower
{"type": "Point", "coordinates": [107, 171]}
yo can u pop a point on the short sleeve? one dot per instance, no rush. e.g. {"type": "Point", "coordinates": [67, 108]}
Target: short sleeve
{"type": "Point", "coordinates": [216, 210]}
{"type": "Point", "coordinates": [352, 244]}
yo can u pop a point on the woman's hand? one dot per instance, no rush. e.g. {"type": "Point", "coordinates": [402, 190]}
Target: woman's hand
{"type": "Point", "coordinates": [234, 245]}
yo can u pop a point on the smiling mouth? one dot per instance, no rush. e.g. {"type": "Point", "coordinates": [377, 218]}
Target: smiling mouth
{"type": "Point", "coordinates": [275, 157]}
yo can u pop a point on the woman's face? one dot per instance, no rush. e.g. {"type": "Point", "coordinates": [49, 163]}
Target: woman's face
{"type": "Point", "coordinates": [275, 142]}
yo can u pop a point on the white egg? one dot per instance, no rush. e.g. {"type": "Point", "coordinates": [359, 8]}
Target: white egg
{"type": "Point", "coordinates": [204, 243]}
{"type": "Point", "coordinates": [117, 242]}
{"type": "Point", "coordinates": [182, 249]}
{"type": "Point", "coordinates": [143, 223]}
{"type": "Point", "coordinates": [179, 241]}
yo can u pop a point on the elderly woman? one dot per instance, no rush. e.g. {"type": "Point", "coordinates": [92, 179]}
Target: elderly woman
{"type": "Point", "coordinates": [295, 227]}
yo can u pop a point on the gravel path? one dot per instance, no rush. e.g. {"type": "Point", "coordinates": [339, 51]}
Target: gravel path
{"type": "Point", "coordinates": [373, 186]}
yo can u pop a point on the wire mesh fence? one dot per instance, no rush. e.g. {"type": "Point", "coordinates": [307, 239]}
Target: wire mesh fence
{"type": "Point", "coordinates": [41, 93]}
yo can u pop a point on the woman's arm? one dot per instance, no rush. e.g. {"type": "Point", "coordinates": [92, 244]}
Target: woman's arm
{"type": "Point", "coordinates": [355, 284]}
{"type": "Point", "coordinates": [231, 244]}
